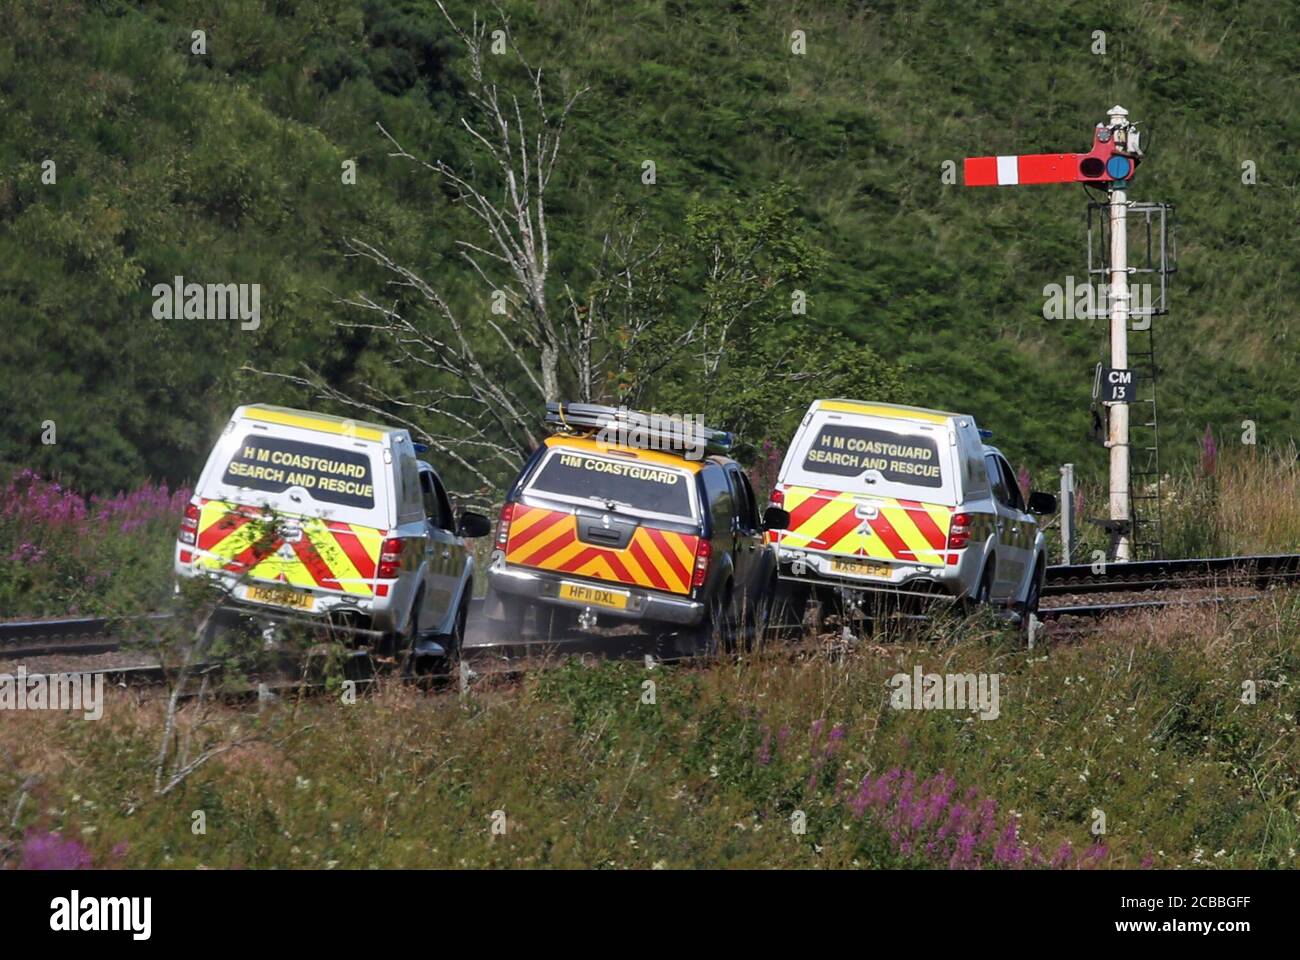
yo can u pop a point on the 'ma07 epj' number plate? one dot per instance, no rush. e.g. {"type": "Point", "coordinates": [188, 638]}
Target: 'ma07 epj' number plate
{"type": "Point", "coordinates": [860, 568]}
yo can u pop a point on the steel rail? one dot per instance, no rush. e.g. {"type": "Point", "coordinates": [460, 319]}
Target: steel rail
{"type": "Point", "coordinates": [66, 628]}
{"type": "Point", "coordinates": [1099, 610]}
{"type": "Point", "coordinates": [1140, 575]}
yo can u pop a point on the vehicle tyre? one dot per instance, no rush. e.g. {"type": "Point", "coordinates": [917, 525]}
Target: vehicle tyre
{"type": "Point", "coordinates": [456, 639]}
{"type": "Point", "coordinates": [1032, 597]}
{"type": "Point", "coordinates": [716, 633]}
{"type": "Point", "coordinates": [762, 614]}
{"type": "Point", "coordinates": [408, 638]}
{"type": "Point", "coordinates": [788, 605]}
{"type": "Point", "coordinates": [984, 592]}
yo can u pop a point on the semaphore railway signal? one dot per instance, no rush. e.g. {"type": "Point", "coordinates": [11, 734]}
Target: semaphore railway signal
{"type": "Point", "coordinates": [1112, 162]}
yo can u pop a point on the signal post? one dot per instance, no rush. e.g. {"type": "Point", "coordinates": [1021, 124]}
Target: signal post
{"type": "Point", "coordinates": [1111, 163]}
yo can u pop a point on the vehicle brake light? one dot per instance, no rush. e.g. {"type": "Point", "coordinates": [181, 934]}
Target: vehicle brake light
{"type": "Point", "coordinates": [703, 554]}
{"type": "Point", "coordinates": [390, 558]}
{"type": "Point", "coordinates": [777, 499]}
{"type": "Point", "coordinates": [189, 525]}
{"type": "Point", "coordinates": [503, 525]}
{"type": "Point", "coordinates": [959, 531]}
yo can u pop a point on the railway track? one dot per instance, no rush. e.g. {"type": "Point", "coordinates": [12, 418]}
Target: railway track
{"type": "Point", "coordinates": [58, 635]}
{"type": "Point", "coordinates": [1097, 611]}
{"type": "Point", "coordinates": [1262, 571]}
{"type": "Point", "coordinates": [1211, 581]}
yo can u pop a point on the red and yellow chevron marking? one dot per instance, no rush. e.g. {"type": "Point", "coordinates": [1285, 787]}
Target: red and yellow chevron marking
{"type": "Point", "coordinates": [829, 520]}
{"type": "Point", "coordinates": [329, 555]}
{"type": "Point", "coordinates": [548, 539]}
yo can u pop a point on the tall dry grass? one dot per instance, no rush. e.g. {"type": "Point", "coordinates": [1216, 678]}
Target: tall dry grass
{"type": "Point", "coordinates": [1241, 501]}
{"type": "Point", "coordinates": [1257, 509]}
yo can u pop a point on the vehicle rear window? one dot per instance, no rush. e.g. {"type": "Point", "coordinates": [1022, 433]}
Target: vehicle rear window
{"type": "Point", "coordinates": [328, 474]}
{"type": "Point", "coordinates": [627, 483]}
{"type": "Point", "coordinates": [850, 451]}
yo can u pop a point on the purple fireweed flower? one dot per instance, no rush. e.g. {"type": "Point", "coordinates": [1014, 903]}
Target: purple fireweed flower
{"type": "Point", "coordinates": [42, 850]}
{"type": "Point", "coordinates": [1064, 854]}
{"type": "Point", "coordinates": [42, 519]}
{"type": "Point", "coordinates": [833, 740]}
{"type": "Point", "coordinates": [964, 855]}
{"type": "Point", "coordinates": [926, 820]}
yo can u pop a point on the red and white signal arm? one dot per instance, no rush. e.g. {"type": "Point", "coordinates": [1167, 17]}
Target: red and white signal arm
{"type": "Point", "coordinates": [1103, 164]}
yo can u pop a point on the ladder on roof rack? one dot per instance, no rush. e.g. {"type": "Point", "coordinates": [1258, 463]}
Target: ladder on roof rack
{"type": "Point", "coordinates": [619, 425]}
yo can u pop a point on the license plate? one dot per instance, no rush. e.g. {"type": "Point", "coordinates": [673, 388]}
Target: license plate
{"type": "Point", "coordinates": [581, 593]}
{"type": "Point", "coordinates": [281, 597]}
{"type": "Point", "coordinates": [861, 568]}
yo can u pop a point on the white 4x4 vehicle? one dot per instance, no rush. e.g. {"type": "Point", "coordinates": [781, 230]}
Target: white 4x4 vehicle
{"type": "Point", "coordinates": [306, 516]}
{"type": "Point", "coordinates": [908, 502]}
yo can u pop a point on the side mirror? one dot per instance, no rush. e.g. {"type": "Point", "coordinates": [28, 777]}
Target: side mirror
{"type": "Point", "coordinates": [1042, 503]}
{"type": "Point", "coordinates": [473, 524]}
{"type": "Point", "coordinates": [774, 518]}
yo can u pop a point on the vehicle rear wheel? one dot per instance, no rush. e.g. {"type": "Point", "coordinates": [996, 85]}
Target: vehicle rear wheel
{"type": "Point", "coordinates": [984, 592]}
{"type": "Point", "coordinates": [716, 633]}
{"type": "Point", "coordinates": [788, 605]}
{"type": "Point", "coordinates": [760, 616]}
{"type": "Point", "coordinates": [407, 640]}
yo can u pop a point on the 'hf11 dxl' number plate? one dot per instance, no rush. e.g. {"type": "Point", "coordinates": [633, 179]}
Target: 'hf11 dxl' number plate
{"type": "Point", "coordinates": [596, 596]}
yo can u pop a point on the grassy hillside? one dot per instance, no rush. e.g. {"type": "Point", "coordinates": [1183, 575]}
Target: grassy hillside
{"type": "Point", "coordinates": [226, 168]}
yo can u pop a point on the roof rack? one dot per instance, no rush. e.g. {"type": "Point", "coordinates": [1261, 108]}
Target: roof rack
{"type": "Point", "coordinates": [634, 428]}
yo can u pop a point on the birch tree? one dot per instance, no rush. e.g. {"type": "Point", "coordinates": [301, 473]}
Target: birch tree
{"type": "Point", "coordinates": [469, 412]}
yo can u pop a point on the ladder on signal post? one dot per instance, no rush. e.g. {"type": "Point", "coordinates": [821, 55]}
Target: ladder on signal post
{"type": "Point", "coordinates": [1153, 256]}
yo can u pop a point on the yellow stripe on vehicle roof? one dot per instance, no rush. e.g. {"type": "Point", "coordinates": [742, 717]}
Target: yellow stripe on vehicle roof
{"type": "Point", "coordinates": [323, 423]}
{"type": "Point", "coordinates": [879, 410]}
